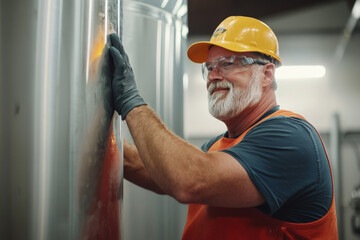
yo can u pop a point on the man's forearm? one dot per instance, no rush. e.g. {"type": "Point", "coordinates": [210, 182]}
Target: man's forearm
{"type": "Point", "coordinates": [134, 170]}
{"type": "Point", "coordinates": [168, 159]}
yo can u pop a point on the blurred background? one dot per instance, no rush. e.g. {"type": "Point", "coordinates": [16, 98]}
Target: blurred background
{"type": "Point", "coordinates": [61, 151]}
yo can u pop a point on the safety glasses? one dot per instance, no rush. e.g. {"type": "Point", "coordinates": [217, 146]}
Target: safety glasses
{"type": "Point", "coordinates": [228, 65]}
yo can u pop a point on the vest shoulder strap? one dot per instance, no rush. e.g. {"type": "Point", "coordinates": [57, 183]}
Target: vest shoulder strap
{"type": "Point", "coordinates": [223, 143]}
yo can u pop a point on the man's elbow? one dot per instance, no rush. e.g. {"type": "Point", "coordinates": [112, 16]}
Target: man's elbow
{"type": "Point", "coordinates": [187, 194]}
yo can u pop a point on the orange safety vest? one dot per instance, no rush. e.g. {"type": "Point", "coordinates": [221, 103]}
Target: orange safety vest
{"type": "Point", "coordinates": [214, 223]}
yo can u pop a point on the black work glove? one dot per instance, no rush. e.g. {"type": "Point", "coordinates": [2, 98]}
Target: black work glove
{"type": "Point", "coordinates": [105, 76]}
{"type": "Point", "coordinates": [124, 91]}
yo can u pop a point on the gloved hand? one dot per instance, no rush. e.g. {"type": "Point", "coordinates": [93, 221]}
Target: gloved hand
{"type": "Point", "coordinates": [105, 76]}
{"type": "Point", "coordinates": [124, 91]}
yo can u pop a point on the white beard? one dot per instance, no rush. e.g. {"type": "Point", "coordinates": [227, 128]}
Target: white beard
{"type": "Point", "coordinates": [236, 100]}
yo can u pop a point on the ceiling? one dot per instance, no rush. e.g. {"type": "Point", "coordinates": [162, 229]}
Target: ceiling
{"type": "Point", "coordinates": [205, 15]}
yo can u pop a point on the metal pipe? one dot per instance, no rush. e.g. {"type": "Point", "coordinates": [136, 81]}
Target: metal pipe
{"type": "Point", "coordinates": [347, 32]}
{"type": "Point", "coordinates": [335, 146]}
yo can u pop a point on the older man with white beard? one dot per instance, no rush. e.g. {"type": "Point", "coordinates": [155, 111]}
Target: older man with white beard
{"type": "Point", "coordinates": [267, 177]}
{"type": "Point", "coordinates": [226, 101]}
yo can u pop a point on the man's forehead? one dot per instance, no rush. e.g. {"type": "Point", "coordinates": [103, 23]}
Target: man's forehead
{"type": "Point", "coordinates": [216, 52]}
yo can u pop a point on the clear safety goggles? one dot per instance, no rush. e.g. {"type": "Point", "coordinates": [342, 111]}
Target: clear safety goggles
{"type": "Point", "coordinates": [228, 65]}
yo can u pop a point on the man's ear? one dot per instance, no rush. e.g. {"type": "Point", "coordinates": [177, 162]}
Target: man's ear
{"type": "Point", "coordinates": [269, 71]}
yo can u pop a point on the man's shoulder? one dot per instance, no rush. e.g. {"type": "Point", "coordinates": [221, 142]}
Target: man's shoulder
{"type": "Point", "coordinates": [280, 122]}
{"type": "Point", "coordinates": [287, 126]}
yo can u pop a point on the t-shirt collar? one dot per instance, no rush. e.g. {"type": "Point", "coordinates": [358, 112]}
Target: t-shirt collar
{"type": "Point", "coordinates": [271, 111]}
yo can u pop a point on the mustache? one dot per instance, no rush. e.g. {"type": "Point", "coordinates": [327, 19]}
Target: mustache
{"type": "Point", "coordinates": [215, 85]}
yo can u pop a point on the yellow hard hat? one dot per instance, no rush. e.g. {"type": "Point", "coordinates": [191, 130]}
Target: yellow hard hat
{"type": "Point", "coordinates": [239, 34]}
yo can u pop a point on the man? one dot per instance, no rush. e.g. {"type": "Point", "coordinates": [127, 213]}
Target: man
{"type": "Point", "coordinates": [267, 177]}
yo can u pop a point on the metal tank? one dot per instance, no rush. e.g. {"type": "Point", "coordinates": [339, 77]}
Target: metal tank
{"type": "Point", "coordinates": [154, 34]}
{"type": "Point", "coordinates": [61, 161]}
{"type": "Point", "coordinates": [61, 169]}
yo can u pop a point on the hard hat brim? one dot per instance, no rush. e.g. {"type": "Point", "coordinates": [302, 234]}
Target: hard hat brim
{"type": "Point", "coordinates": [198, 52]}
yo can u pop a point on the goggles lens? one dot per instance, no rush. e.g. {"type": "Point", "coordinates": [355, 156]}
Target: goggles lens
{"type": "Point", "coordinates": [228, 65]}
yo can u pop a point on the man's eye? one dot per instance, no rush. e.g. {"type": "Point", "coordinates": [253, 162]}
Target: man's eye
{"type": "Point", "coordinates": [226, 64]}
{"type": "Point", "coordinates": [209, 67]}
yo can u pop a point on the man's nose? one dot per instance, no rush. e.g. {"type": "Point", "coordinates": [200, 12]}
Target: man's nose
{"type": "Point", "coordinates": [215, 75]}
